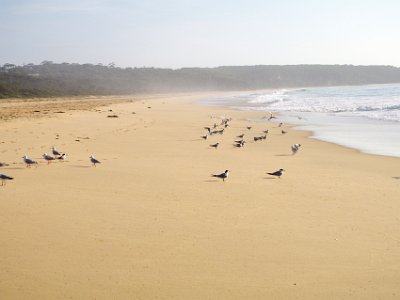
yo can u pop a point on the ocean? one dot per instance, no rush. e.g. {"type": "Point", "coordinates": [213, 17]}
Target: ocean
{"type": "Point", "coordinates": [366, 118]}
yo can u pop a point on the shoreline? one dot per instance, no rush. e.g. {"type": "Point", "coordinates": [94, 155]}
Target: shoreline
{"type": "Point", "coordinates": [367, 135]}
{"type": "Point", "coordinates": [150, 222]}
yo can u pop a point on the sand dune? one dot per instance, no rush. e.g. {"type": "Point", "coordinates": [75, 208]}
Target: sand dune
{"type": "Point", "coordinates": [150, 222]}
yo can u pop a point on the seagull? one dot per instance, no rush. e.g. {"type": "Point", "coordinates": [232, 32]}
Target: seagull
{"type": "Point", "coordinates": [266, 131]}
{"type": "Point", "coordinates": [47, 157]}
{"type": "Point", "coordinates": [215, 145]}
{"type": "Point", "coordinates": [62, 157]}
{"type": "Point", "coordinates": [3, 164]}
{"type": "Point", "coordinates": [29, 161]}
{"type": "Point", "coordinates": [3, 179]}
{"type": "Point", "coordinates": [55, 151]}
{"type": "Point", "coordinates": [222, 175]}
{"type": "Point", "coordinates": [240, 144]}
{"type": "Point", "coordinates": [278, 173]}
{"type": "Point", "coordinates": [94, 161]}
{"type": "Point", "coordinates": [295, 148]}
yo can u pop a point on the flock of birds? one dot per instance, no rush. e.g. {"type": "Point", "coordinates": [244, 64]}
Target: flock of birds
{"type": "Point", "coordinates": [240, 143]}
{"type": "Point", "coordinates": [215, 129]}
{"type": "Point", "coordinates": [30, 162]}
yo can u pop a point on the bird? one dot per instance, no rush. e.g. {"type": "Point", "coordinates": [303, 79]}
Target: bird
{"type": "Point", "coordinates": [209, 130]}
{"type": "Point", "coordinates": [240, 136]}
{"type": "Point", "coordinates": [55, 151]}
{"type": "Point", "coordinates": [222, 175]}
{"type": "Point", "coordinates": [280, 124]}
{"type": "Point", "coordinates": [283, 132]}
{"type": "Point", "coordinates": [240, 144]}
{"type": "Point", "coordinates": [215, 145]}
{"type": "Point", "coordinates": [47, 157]}
{"type": "Point", "coordinates": [278, 173]}
{"type": "Point", "coordinates": [4, 178]}
{"type": "Point", "coordinates": [3, 164]}
{"type": "Point", "coordinates": [94, 161]}
{"type": "Point", "coordinates": [249, 127]}
{"type": "Point", "coordinates": [29, 161]}
{"type": "Point", "coordinates": [266, 131]}
{"type": "Point", "coordinates": [204, 137]}
{"type": "Point", "coordinates": [295, 148]}
{"type": "Point", "coordinates": [62, 157]}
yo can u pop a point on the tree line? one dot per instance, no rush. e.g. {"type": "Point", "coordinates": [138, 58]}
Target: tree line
{"type": "Point", "coordinates": [49, 79]}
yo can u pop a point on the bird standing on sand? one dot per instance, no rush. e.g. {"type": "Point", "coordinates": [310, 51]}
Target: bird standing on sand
{"type": "Point", "coordinates": [249, 127]}
{"type": "Point", "coordinates": [215, 145]}
{"type": "Point", "coordinates": [55, 151]}
{"type": "Point", "coordinates": [94, 161]}
{"type": "Point", "coordinates": [48, 158]}
{"type": "Point", "coordinates": [29, 162]}
{"type": "Point", "coordinates": [4, 178]}
{"type": "Point", "coordinates": [204, 137]}
{"type": "Point", "coordinates": [283, 132]}
{"type": "Point", "coordinates": [278, 173]}
{"type": "Point", "coordinates": [295, 148]}
{"type": "Point", "coordinates": [222, 175]}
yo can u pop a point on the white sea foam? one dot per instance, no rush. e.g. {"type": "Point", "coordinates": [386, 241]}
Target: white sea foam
{"type": "Point", "coordinates": [366, 118]}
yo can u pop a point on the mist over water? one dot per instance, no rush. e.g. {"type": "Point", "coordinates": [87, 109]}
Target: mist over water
{"type": "Point", "coordinates": [366, 118]}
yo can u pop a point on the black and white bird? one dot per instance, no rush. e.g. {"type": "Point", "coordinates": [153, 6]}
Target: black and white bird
{"type": "Point", "coordinates": [3, 164]}
{"type": "Point", "coordinates": [94, 161]}
{"type": "Point", "coordinates": [278, 173]}
{"type": "Point", "coordinates": [48, 158]}
{"type": "Point", "coordinates": [295, 148]}
{"type": "Point", "coordinates": [55, 151]}
{"type": "Point", "coordinates": [223, 176]}
{"type": "Point", "coordinates": [62, 157]}
{"type": "Point", "coordinates": [208, 130]}
{"type": "Point", "coordinates": [215, 145]}
{"type": "Point", "coordinates": [240, 144]}
{"type": "Point", "coordinates": [4, 179]}
{"type": "Point", "coordinates": [29, 162]}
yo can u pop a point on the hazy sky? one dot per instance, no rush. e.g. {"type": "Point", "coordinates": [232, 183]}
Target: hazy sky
{"type": "Point", "coordinates": [204, 33]}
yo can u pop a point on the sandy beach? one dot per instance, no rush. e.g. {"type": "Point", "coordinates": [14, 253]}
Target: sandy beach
{"type": "Point", "coordinates": [150, 222]}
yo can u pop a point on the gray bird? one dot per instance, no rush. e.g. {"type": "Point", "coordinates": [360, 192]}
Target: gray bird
{"type": "Point", "coordinates": [94, 161]}
{"type": "Point", "coordinates": [55, 151]}
{"type": "Point", "coordinates": [48, 158]}
{"type": "Point", "coordinates": [29, 162]}
{"type": "Point", "coordinates": [295, 148]}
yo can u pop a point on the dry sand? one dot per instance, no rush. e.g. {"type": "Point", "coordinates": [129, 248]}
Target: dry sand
{"type": "Point", "coordinates": [151, 223]}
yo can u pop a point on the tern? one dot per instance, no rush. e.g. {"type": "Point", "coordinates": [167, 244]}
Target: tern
{"type": "Point", "coordinates": [215, 145]}
{"type": "Point", "coordinates": [4, 178]}
{"type": "Point", "coordinates": [278, 173]}
{"type": "Point", "coordinates": [222, 175]}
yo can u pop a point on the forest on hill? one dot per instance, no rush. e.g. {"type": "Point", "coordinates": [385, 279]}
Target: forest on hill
{"type": "Point", "coordinates": [49, 79]}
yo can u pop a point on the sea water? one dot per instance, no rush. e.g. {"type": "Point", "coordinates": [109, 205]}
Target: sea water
{"type": "Point", "coordinates": [366, 117]}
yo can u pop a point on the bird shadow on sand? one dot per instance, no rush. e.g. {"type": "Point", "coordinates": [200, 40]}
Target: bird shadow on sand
{"type": "Point", "coordinates": [14, 168]}
{"type": "Point", "coordinates": [212, 180]}
{"type": "Point", "coordinates": [283, 155]}
{"type": "Point", "coordinates": [396, 177]}
{"type": "Point", "coordinates": [273, 178]}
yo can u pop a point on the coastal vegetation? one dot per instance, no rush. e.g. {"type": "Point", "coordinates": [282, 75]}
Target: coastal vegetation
{"type": "Point", "coordinates": [49, 79]}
